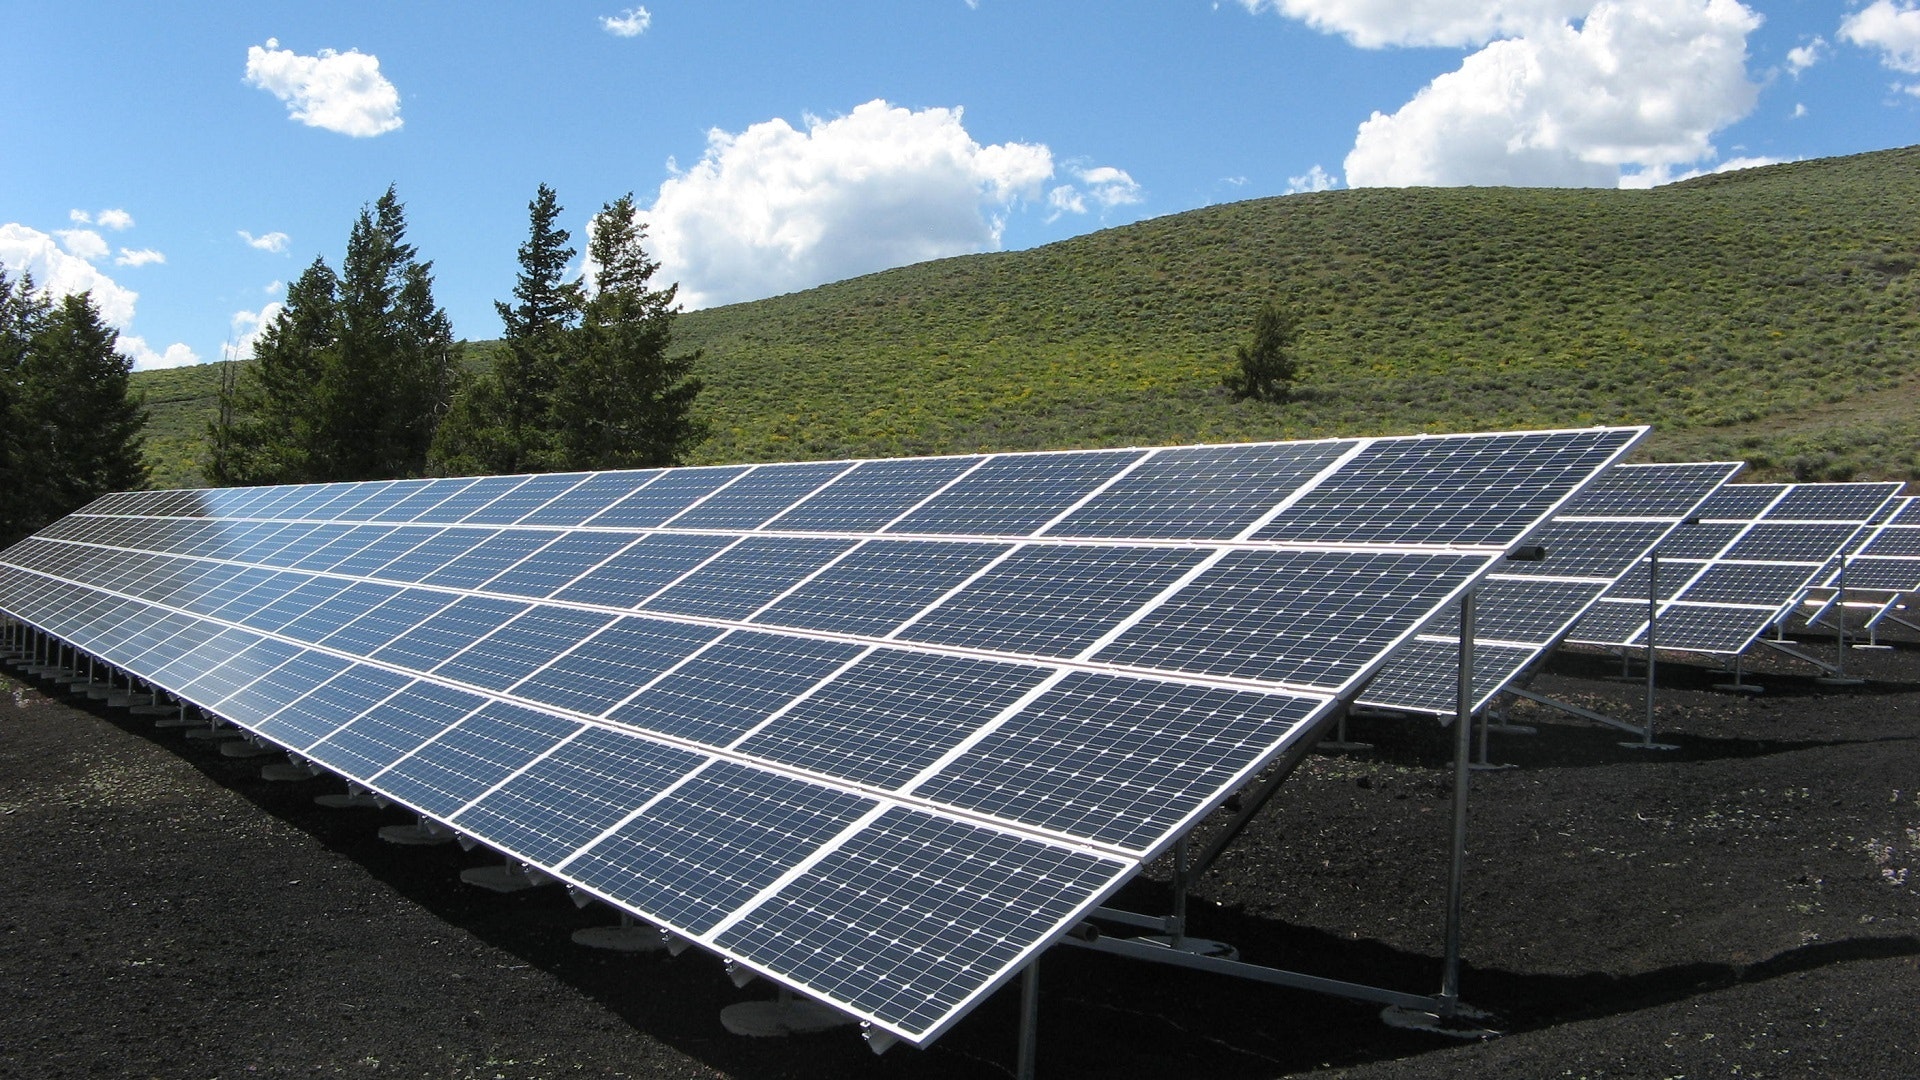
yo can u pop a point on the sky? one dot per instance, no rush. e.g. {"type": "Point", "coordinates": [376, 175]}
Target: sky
{"type": "Point", "coordinates": [185, 162]}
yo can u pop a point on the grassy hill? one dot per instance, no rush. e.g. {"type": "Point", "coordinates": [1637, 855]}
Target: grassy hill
{"type": "Point", "coordinates": [1771, 314]}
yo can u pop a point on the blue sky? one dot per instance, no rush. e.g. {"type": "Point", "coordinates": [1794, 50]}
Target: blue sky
{"type": "Point", "coordinates": [184, 163]}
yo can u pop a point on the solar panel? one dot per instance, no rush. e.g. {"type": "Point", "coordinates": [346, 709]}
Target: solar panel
{"type": "Point", "coordinates": [1524, 609]}
{"type": "Point", "coordinates": [879, 730]}
{"type": "Point", "coordinates": [1760, 547]}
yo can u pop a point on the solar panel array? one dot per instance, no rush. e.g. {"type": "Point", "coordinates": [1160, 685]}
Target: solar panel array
{"type": "Point", "coordinates": [1523, 609]}
{"type": "Point", "coordinates": [1879, 577]}
{"type": "Point", "coordinates": [880, 730]}
{"type": "Point", "coordinates": [1724, 581]}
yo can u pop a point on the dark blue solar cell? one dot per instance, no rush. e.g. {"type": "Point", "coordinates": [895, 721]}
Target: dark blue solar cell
{"type": "Point", "coordinates": [1900, 575]}
{"type": "Point", "coordinates": [237, 670]}
{"type": "Point", "coordinates": [891, 715]}
{"type": "Point", "coordinates": [880, 585]}
{"type": "Point", "coordinates": [528, 497]}
{"type": "Point", "coordinates": [330, 705]}
{"type": "Point", "coordinates": [1200, 492]}
{"type": "Point", "coordinates": [388, 621]}
{"type": "Point", "coordinates": [1833, 502]}
{"type": "Point", "coordinates": [1903, 542]}
{"type": "Point", "coordinates": [717, 696]}
{"type": "Point", "coordinates": [761, 494]}
{"type": "Point", "coordinates": [1740, 502]}
{"type": "Point", "coordinates": [1053, 601]}
{"type": "Point", "coordinates": [666, 496]}
{"type": "Point", "coordinates": [336, 611]}
{"type": "Point", "coordinates": [1589, 549]}
{"type": "Point", "coordinates": [468, 759]}
{"type": "Point", "coordinates": [394, 728]}
{"type": "Point", "coordinates": [591, 496]}
{"type": "Point", "coordinates": [1652, 491]}
{"type": "Point", "coordinates": [556, 565]}
{"type": "Point", "coordinates": [1424, 676]}
{"type": "Point", "coordinates": [470, 498]}
{"type": "Point", "coordinates": [739, 581]}
{"type": "Point", "coordinates": [1698, 541]}
{"type": "Point", "coordinates": [232, 592]}
{"type": "Point", "coordinates": [488, 558]}
{"type": "Point", "coordinates": [190, 665]}
{"type": "Point", "coordinates": [1015, 494]}
{"type": "Point", "coordinates": [1767, 585]}
{"type": "Point", "coordinates": [432, 554]}
{"type": "Point", "coordinates": [1725, 630]}
{"type": "Point", "coordinates": [1310, 618]}
{"type": "Point", "coordinates": [1118, 760]}
{"type": "Point", "coordinates": [302, 545]}
{"type": "Point", "coordinates": [469, 619]}
{"type": "Point", "coordinates": [344, 545]}
{"type": "Point", "coordinates": [172, 639]}
{"type": "Point", "coordinates": [643, 569]}
{"type": "Point", "coordinates": [1611, 623]}
{"type": "Point", "coordinates": [423, 497]}
{"type": "Point", "coordinates": [329, 501]}
{"type": "Point", "coordinates": [710, 844]}
{"type": "Point", "coordinates": [611, 665]}
{"type": "Point", "coordinates": [396, 544]}
{"type": "Point", "coordinates": [1521, 611]}
{"type": "Point", "coordinates": [923, 912]}
{"type": "Point", "coordinates": [295, 603]}
{"type": "Point", "coordinates": [576, 792]}
{"type": "Point", "coordinates": [256, 701]}
{"type": "Point", "coordinates": [522, 647]}
{"type": "Point", "coordinates": [1797, 542]}
{"type": "Point", "coordinates": [1473, 489]}
{"type": "Point", "coordinates": [874, 493]}
{"type": "Point", "coordinates": [380, 497]}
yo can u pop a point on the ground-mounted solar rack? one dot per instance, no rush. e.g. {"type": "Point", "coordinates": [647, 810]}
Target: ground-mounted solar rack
{"type": "Point", "coordinates": [1528, 606]}
{"type": "Point", "coordinates": [1722, 584]}
{"type": "Point", "coordinates": [1875, 583]}
{"type": "Point", "coordinates": [879, 731]}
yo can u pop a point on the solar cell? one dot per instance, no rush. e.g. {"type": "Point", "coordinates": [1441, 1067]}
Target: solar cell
{"type": "Point", "coordinates": [729, 688]}
{"type": "Point", "coordinates": [331, 704]}
{"type": "Point", "coordinates": [890, 715]}
{"type": "Point", "coordinates": [1307, 618]}
{"type": "Point", "coordinates": [1200, 492]}
{"type": "Point", "coordinates": [1015, 494]}
{"type": "Point", "coordinates": [395, 727]}
{"type": "Point", "coordinates": [872, 494]}
{"type": "Point", "coordinates": [606, 668]}
{"type": "Point", "coordinates": [739, 581]}
{"type": "Point", "coordinates": [524, 499]}
{"type": "Point", "coordinates": [463, 762]}
{"type": "Point", "coordinates": [666, 496]}
{"type": "Point", "coordinates": [763, 493]}
{"type": "Point", "coordinates": [879, 585]}
{"type": "Point", "coordinates": [644, 569]}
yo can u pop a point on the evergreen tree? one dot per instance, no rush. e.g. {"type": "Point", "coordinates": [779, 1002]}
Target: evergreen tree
{"type": "Point", "coordinates": [1265, 368]}
{"type": "Point", "coordinates": [387, 378]}
{"type": "Point", "coordinates": [78, 428]}
{"type": "Point", "coordinates": [501, 420]}
{"type": "Point", "coordinates": [625, 402]}
{"type": "Point", "coordinates": [23, 312]}
{"type": "Point", "coordinates": [265, 429]}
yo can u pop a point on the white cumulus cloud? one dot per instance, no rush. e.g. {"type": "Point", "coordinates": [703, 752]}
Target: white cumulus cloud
{"type": "Point", "coordinates": [116, 220]}
{"type": "Point", "coordinates": [773, 208]}
{"type": "Point", "coordinates": [1316, 179]}
{"type": "Point", "coordinates": [1373, 24]}
{"type": "Point", "coordinates": [1105, 186]}
{"type": "Point", "coordinates": [630, 23]}
{"type": "Point", "coordinates": [1893, 29]}
{"type": "Point", "coordinates": [1805, 56]}
{"type": "Point", "coordinates": [245, 327]}
{"type": "Point", "coordinates": [273, 241]}
{"type": "Point", "coordinates": [340, 92]}
{"type": "Point", "coordinates": [142, 257]}
{"type": "Point", "coordinates": [1639, 84]}
{"type": "Point", "coordinates": [57, 272]}
{"type": "Point", "coordinates": [83, 243]}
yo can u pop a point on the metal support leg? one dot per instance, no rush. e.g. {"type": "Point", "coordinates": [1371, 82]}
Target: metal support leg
{"type": "Point", "coordinates": [1029, 1019]}
{"type": "Point", "coordinates": [1457, 871]}
{"type": "Point", "coordinates": [1653, 622]}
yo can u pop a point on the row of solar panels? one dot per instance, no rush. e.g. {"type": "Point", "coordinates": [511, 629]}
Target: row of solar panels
{"type": "Point", "coordinates": [879, 730]}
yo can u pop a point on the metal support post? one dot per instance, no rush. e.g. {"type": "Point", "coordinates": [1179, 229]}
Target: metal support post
{"type": "Point", "coordinates": [1029, 1018]}
{"type": "Point", "coordinates": [1449, 999]}
{"type": "Point", "coordinates": [1653, 623]}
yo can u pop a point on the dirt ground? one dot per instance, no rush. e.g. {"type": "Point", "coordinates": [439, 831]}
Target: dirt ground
{"type": "Point", "coordinates": [1747, 904]}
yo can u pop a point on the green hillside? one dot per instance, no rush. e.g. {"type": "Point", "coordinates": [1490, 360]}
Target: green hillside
{"type": "Point", "coordinates": [1771, 314]}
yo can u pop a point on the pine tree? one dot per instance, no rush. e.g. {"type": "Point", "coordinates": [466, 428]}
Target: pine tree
{"type": "Point", "coordinates": [501, 420]}
{"type": "Point", "coordinates": [23, 312]}
{"type": "Point", "coordinates": [625, 402]}
{"type": "Point", "coordinates": [1265, 368]}
{"type": "Point", "coordinates": [265, 428]}
{"type": "Point", "coordinates": [79, 428]}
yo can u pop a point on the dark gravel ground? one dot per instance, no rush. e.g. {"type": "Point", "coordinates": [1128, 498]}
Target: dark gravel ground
{"type": "Point", "coordinates": [1745, 905]}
